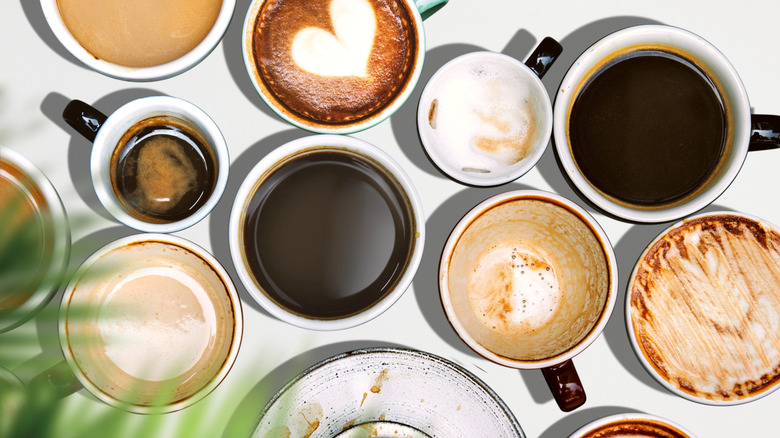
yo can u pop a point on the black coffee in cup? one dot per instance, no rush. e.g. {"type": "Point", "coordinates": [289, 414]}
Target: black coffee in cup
{"type": "Point", "coordinates": [649, 127]}
{"type": "Point", "coordinates": [162, 170]}
{"type": "Point", "coordinates": [328, 233]}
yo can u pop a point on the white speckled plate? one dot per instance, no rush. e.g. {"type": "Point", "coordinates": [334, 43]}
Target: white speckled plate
{"type": "Point", "coordinates": [418, 391]}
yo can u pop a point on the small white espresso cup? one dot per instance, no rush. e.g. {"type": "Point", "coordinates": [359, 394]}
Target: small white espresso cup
{"type": "Point", "coordinates": [305, 286]}
{"type": "Point", "coordinates": [738, 138]}
{"type": "Point", "coordinates": [107, 132]}
{"type": "Point", "coordinates": [53, 17]}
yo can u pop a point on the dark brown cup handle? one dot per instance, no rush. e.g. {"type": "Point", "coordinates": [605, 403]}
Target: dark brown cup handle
{"type": "Point", "coordinates": [58, 381]}
{"type": "Point", "coordinates": [85, 119]}
{"type": "Point", "coordinates": [564, 382]}
{"type": "Point", "coordinates": [765, 132]}
{"type": "Point", "coordinates": [543, 56]}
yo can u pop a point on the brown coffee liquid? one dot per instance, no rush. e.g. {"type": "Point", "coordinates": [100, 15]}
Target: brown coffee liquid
{"type": "Point", "coordinates": [648, 129]}
{"type": "Point", "coordinates": [328, 235]}
{"type": "Point", "coordinates": [636, 428]}
{"type": "Point", "coordinates": [163, 172]}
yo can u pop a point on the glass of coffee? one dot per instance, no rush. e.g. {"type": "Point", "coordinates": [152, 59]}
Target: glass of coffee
{"type": "Point", "coordinates": [335, 66]}
{"type": "Point", "coordinates": [326, 232]}
{"type": "Point", "coordinates": [652, 123]}
{"type": "Point", "coordinates": [158, 164]}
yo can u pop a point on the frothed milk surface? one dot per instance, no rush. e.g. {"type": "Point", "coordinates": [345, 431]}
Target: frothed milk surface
{"type": "Point", "coordinates": [482, 114]}
{"type": "Point", "coordinates": [705, 307]}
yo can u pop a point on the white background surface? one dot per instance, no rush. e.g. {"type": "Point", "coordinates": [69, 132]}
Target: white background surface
{"type": "Point", "coordinates": [38, 77]}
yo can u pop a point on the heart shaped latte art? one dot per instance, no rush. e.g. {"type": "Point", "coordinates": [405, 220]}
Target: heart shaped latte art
{"type": "Point", "coordinates": [344, 52]}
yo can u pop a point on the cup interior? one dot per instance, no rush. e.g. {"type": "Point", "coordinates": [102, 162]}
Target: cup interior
{"type": "Point", "coordinates": [484, 118]}
{"type": "Point", "coordinates": [150, 323]}
{"type": "Point", "coordinates": [526, 279]}
{"type": "Point", "coordinates": [636, 425]}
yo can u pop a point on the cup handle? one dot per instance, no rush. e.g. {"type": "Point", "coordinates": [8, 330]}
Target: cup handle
{"type": "Point", "coordinates": [543, 56]}
{"type": "Point", "coordinates": [85, 119]}
{"type": "Point", "coordinates": [428, 7]}
{"type": "Point", "coordinates": [58, 380]}
{"type": "Point", "coordinates": [765, 132]}
{"type": "Point", "coordinates": [564, 382]}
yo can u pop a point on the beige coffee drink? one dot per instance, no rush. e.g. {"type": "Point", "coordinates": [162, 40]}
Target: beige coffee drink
{"type": "Point", "coordinates": [331, 62]}
{"type": "Point", "coordinates": [150, 324]}
{"type": "Point", "coordinates": [139, 33]}
{"type": "Point", "coordinates": [704, 308]}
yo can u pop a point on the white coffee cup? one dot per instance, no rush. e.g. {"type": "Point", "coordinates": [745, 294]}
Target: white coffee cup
{"type": "Point", "coordinates": [637, 425]}
{"type": "Point", "coordinates": [106, 133]}
{"type": "Point", "coordinates": [52, 14]}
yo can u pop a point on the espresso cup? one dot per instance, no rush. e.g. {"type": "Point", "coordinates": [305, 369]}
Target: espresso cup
{"type": "Point", "coordinates": [702, 308]}
{"type": "Point", "coordinates": [139, 40]}
{"type": "Point", "coordinates": [634, 425]}
{"type": "Point", "coordinates": [34, 240]}
{"type": "Point", "coordinates": [652, 123]}
{"type": "Point", "coordinates": [485, 118]}
{"type": "Point", "coordinates": [149, 323]}
{"type": "Point", "coordinates": [159, 164]}
{"type": "Point", "coordinates": [335, 66]}
{"type": "Point", "coordinates": [528, 280]}
{"type": "Point", "coordinates": [326, 232]}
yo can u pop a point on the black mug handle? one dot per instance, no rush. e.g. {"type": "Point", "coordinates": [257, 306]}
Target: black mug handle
{"type": "Point", "coordinates": [764, 132]}
{"type": "Point", "coordinates": [565, 385]}
{"type": "Point", "coordinates": [543, 56]}
{"type": "Point", "coordinates": [85, 119]}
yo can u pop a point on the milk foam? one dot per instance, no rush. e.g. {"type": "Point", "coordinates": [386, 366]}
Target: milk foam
{"type": "Point", "coordinates": [344, 52]}
{"type": "Point", "coordinates": [156, 323]}
{"type": "Point", "coordinates": [482, 115]}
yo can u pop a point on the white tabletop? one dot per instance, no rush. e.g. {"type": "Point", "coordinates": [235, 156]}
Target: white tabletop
{"type": "Point", "coordinates": [38, 77]}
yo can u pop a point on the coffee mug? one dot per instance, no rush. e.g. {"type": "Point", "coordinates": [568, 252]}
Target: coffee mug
{"type": "Point", "coordinates": [139, 40]}
{"type": "Point", "coordinates": [633, 425]}
{"type": "Point", "coordinates": [528, 280]}
{"type": "Point", "coordinates": [335, 66]}
{"type": "Point", "coordinates": [485, 118]}
{"type": "Point", "coordinates": [158, 164]}
{"type": "Point", "coordinates": [652, 123]}
{"type": "Point", "coordinates": [703, 305]}
{"type": "Point", "coordinates": [150, 323]}
{"type": "Point", "coordinates": [34, 240]}
{"type": "Point", "coordinates": [326, 232]}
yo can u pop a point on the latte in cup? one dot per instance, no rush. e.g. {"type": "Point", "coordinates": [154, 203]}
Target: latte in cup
{"type": "Point", "coordinates": [150, 324]}
{"type": "Point", "coordinates": [332, 63]}
{"type": "Point", "coordinates": [703, 308]}
{"type": "Point", "coordinates": [632, 426]}
{"type": "Point", "coordinates": [139, 33]}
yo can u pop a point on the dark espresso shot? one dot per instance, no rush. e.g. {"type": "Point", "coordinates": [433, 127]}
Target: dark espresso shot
{"type": "Point", "coordinates": [163, 171]}
{"type": "Point", "coordinates": [328, 234]}
{"type": "Point", "coordinates": [648, 129]}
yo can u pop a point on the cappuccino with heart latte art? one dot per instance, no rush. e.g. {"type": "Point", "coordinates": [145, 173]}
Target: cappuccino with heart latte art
{"type": "Point", "coordinates": [326, 63]}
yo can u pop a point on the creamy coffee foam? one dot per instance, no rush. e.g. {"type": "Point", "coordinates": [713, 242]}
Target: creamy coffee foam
{"type": "Point", "coordinates": [482, 114]}
{"type": "Point", "coordinates": [333, 62]}
{"type": "Point", "coordinates": [150, 323]}
{"type": "Point", "coordinates": [705, 307]}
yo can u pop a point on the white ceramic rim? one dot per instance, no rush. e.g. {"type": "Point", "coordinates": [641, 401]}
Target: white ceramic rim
{"type": "Point", "coordinates": [624, 417]}
{"type": "Point", "coordinates": [444, 291]}
{"type": "Point", "coordinates": [365, 354]}
{"type": "Point", "coordinates": [54, 277]}
{"type": "Point", "coordinates": [193, 57]}
{"type": "Point", "coordinates": [638, 352]}
{"type": "Point", "coordinates": [247, 190]}
{"type": "Point", "coordinates": [466, 178]}
{"type": "Point", "coordinates": [249, 64]}
{"type": "Point", "coordinates": [670, 36]}
{"type": "Point", "coordinates": [230, 288]}
{"type": "Point", "coordinates": [125, 117]}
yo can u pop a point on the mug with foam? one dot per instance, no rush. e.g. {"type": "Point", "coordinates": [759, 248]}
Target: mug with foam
{"type": "Point", "coordinates": [528, 279]}
{"type": "Point", "coordinates": [150, 323]}
{"type": "Point", "coordinates": [158, 164]}
{"type": "Point", "coordinates": [335, 66]}
{"type": "Point", "coordinates": [485, 118]}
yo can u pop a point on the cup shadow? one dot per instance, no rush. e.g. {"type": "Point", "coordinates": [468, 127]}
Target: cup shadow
{"type": "Point", "coordinates": [34, 14]}
{"type": "Point", "coordinates": [79, 148]}
{"type": "Point", "coordinates": [571, 422]}
{"type": "Point", "coordinates": [247, 415]}
{"type": "Point", "coordinates": [219, 218]}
